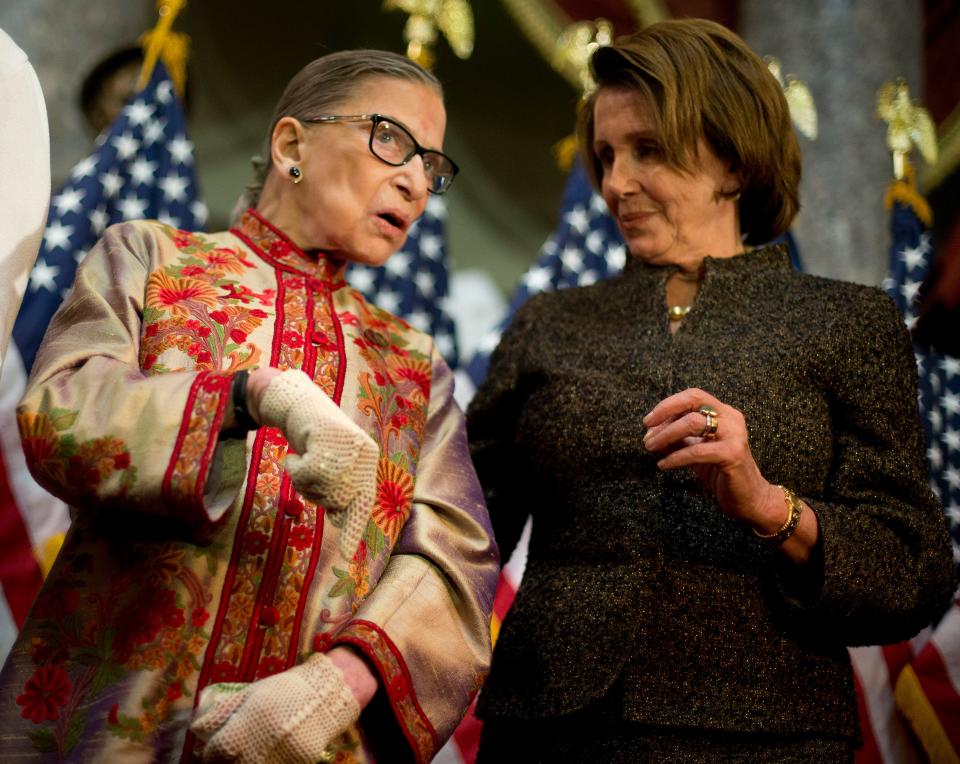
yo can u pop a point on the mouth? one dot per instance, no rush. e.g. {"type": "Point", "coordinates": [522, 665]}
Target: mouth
{"type": "Point", "coordinates": [635, 217]}
{"type": "Point", "coordinates": [393, 221]}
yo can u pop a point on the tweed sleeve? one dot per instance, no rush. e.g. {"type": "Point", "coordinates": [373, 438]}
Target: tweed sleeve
{"type": "Point", "coordinates": [492, 418]}
{"type": "Point", "coordinates": [887, 569]}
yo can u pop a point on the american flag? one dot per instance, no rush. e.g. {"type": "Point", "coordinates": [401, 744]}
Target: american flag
{"type": "Point", "coordinates": [414, 283]}
{"type": "Point", "coordinates": [911, 691]}
{"type": "Point", "coordinates": [141, 167]}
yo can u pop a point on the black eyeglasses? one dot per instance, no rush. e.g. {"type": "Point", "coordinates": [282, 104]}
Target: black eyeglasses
{"type": "Point", "coordinates": [392, 143]}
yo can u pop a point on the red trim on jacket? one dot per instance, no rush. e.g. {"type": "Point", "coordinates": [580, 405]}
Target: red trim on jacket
{"type": "Point", "coordinates": [397, 684]}
{"type": "Point", "coordinates": [185, 491]}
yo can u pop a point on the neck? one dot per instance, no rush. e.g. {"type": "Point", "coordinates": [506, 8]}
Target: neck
{"type": "Point", "coordinates": [273, 207]}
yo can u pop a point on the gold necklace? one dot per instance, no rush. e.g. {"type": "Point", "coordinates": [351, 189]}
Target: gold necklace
{"type": "Point", "coordinates": [678, 312]}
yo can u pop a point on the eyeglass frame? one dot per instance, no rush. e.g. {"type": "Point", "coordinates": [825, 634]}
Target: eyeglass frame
{"type": "Point", "coordinates": [375, 119]}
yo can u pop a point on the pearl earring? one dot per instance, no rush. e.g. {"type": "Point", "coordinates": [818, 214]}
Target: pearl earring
{"type": "Point", "coordinates": [296, 174]}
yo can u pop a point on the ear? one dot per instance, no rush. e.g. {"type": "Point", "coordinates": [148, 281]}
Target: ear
{"type": "Point", "coordinates": [287, 144]}
{"type": "Point", "coordinates": [732, 184]}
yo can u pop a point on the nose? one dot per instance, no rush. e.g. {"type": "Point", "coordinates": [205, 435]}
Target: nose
{"type": "Point", "coordinates": [412, 179]}
{"type": "Point", "coordinates": [619, 179]}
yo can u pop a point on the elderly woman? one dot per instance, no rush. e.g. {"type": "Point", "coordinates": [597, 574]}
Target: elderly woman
{"type": "Point", "coordinates": [722, 457]}
{"type": "Point", "coordinates": [277, 524]}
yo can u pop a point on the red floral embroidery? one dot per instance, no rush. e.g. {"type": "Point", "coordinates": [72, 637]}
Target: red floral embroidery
{"type": "Point", "coordinates": [293, 339]}
{"type": "Point", "coordinates": [394, 497]}
{"type": "Point", "coordinates": [301, 537]}
{"type": "Point", "coordinates": [270, 666]}
{"type": "Point", "coordinates": [418, 375]}
{"type": "Point", "coordinates": [398, 688]}
{"type": "Point", "coordinates": [199, 617]}
{"type": "Point", "coordinates": [322, 642]}
{"type": "Point", "coordinates": [255, 542]}
{"type": "Point", "coordinates": [44, 694]}
{"type": "Point", "coordinates": [224, 672]}
{"type": "Point", "coordinates": [176, 294]}
{"type": "Point", "coordinates": [182, 239]}
{"type": "Point", "coordinates": [279, 248]}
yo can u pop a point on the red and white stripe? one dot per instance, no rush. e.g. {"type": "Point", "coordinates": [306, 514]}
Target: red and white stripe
{"type": "Point", "coordinates": [928, 691]}
{"type": "Point", "coordinates": [30, 518]}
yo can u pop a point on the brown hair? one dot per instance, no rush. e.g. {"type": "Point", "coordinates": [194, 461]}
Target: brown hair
{"type": "Point", "coordinates": [324, 83]}
{"type": "Point", "coordinates": [702, 81]}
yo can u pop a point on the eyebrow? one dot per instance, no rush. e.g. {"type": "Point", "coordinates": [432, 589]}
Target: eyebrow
{"type": "Point", "coordinates": [389, 118]}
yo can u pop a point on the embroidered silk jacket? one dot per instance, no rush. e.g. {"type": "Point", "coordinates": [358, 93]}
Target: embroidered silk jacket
{"type": "Point", "coordinates": [191, 559]}
{"type": "Point", "coordinates": [635, 573]}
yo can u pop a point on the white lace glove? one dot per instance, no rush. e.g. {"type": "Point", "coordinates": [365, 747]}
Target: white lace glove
{"type": "Point", "coordinates": [287, 718]}
{"type": "Point", "coordinates": [335, 463]}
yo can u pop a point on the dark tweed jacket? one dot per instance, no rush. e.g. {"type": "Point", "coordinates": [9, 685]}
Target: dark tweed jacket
{"type": "Point", "coordinates": [636, 573]}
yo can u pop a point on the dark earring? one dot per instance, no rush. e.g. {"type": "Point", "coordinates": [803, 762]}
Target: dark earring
{"type": "Point", "coordinates": [296, 174]}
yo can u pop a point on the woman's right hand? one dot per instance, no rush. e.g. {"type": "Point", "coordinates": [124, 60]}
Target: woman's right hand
{"type": "Point", "coordinates": [331, 460]}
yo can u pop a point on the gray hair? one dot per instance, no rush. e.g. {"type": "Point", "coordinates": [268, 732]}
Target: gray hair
{"type": "Point", "coordinates": [326, 82]}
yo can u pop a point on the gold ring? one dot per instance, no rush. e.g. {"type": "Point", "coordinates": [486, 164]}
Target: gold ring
{"type": "Point", "coordinates": [713, 421]}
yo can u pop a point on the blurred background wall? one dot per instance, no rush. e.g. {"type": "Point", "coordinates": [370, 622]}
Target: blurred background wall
{"type": "Point", "coordinates": [507, 107]}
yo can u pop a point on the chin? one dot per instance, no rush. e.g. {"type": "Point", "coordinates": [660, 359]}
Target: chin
{"type": "Point", "coordinates": [373, 257]}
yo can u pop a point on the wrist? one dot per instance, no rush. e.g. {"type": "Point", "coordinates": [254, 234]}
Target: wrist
{"type": "Point", "coordinates": [790, 512]}
{"type": "Point", "coordinates": [357, 674]}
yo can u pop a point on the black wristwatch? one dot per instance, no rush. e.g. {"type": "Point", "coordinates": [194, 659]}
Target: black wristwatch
{"type": "Point", "coordinates": [242, 421]}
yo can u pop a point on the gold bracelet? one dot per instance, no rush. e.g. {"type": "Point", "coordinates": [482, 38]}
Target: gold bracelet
{"type": "Point", "coordinates": [794, 510]}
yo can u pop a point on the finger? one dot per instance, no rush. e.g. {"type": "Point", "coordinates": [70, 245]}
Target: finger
{"type": "Point", "coordinates": [690, 425]}
{"type": "Point", "coordinates": [658, 427]}
{"type": "Point", "coordinates": [699, 453]}
{"type": "Point", "coordinates": [216, 705]}
{"type": "Point", "coordinates": [679, 403]}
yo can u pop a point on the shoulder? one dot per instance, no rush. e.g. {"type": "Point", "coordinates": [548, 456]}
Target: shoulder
{"type": "Point", "coordinates": [844, 302]}
{"type": "Point", "coordinates": [164, 235]}
{"type": "Point", "coordinates": [567, 302]}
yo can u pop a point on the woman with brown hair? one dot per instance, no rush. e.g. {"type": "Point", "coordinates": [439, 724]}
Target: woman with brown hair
{"type": "Point", "coordinates": [279, 551]}
{"type": "Point", "coordinates": [722, 457]}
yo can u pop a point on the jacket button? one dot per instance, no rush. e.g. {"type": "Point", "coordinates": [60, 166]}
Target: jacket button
{"type": "Point", "coordinates": [293, 507]}
{"type": "Point", "coordinates": [269, 616]}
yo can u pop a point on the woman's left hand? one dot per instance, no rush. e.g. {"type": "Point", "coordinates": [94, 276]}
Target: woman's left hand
{"type": "Point", "coordinates": [722, 461]}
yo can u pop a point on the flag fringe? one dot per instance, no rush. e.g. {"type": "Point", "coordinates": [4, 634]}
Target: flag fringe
{"type": "Point", "coordinates": [46, 552]}
{"type": "Point", "coordinates": [905, 192]}
{"type": "Point", "coordinates": [915, 705]}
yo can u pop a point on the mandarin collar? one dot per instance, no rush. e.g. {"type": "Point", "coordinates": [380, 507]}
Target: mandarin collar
{"type": "Point", "coordinates": [274, 246]}
{"type": "Point", "coordinates": [774, 257]}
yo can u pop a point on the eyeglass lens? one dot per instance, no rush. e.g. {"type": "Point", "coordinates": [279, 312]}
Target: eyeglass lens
{"type": "Point", "coordinates": [393, 144]}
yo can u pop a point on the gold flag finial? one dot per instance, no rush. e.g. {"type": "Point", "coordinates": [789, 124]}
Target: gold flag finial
{"type": "Point", "coordinates": [162, 43]}
{"type": "Point", "coordinates": [908, 125]}
{"type": "Point", "coordinates": [574, 47]}
{"type": "Point", "coordinates": [453, 18]}
{"type": "Point", "coordinates": [803, 111]}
